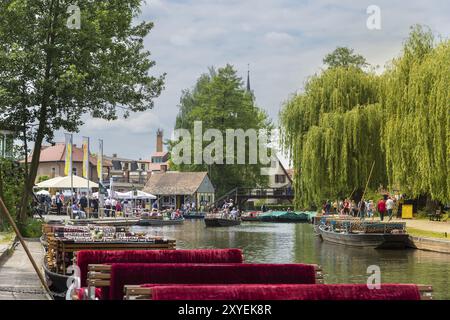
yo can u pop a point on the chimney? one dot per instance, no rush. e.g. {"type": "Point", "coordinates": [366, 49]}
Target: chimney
{"type": "Point", "coordinates": [159, 141]}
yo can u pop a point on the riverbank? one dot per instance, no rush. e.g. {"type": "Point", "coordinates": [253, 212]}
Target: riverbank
{"type": "Point", "coordinates": [18, 280]}
{"type": "Point", "coordinates": [7, 243]}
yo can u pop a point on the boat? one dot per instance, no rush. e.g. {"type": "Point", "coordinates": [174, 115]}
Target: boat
{"type": "Point", "coordinates": [285, 217]}
{"type": "Point", "coordinates": [56, 282]}
{"type": "Point", "coordinates": [251, 216]}
{"type": "Point", "coordinates": [357, 233]}
{"type": "Point", "coordinates": [195, 215]}
{"type": "Point", "coordinates": [221, 222]}
{"type": "Point", "coordinates": [160, 222]}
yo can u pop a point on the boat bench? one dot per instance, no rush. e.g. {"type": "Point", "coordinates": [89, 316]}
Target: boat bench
{"type": "Point", "coordinates": [101, 261]}
{"type": "Point", "coordinates": [278, 292]}
{"type": "Point", "coordinates": [115, 277]}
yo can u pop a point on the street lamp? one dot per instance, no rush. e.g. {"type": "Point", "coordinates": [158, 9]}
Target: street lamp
{"type": "Point", "coordinates": [6, 144]}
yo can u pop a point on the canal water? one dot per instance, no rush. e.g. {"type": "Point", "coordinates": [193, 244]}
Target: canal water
{"type": "Point", "coordinates": [297, 243]}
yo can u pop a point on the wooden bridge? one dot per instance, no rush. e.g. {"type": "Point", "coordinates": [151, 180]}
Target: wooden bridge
{"type": "Point", "coordinates": [242, 195]}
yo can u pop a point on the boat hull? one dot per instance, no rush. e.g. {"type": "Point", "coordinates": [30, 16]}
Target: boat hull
{"type": "Point", "coordinates": [156, 222]}
{"type": "Point", "coordinates": [198, 215]}
{"type": "Point", "coordinates": [57, 283]}
{"type": "Point", "coordinates": [366, 240]}
{"type": "Point", "coordinates": [216, 222]}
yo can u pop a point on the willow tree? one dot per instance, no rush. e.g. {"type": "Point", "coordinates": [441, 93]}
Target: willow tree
{"type": "Point", "coordinates": [416, 135]}
{"type": "Point", "coordinates": [332, 131]}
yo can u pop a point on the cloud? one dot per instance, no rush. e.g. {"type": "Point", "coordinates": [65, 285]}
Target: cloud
{"type": "Point", "coordinates": [284, 41]}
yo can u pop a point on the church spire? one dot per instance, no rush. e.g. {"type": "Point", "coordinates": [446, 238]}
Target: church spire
{"type": "Point", "coordinates": [249, 89]}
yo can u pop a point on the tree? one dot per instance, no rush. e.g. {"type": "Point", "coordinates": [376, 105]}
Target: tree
{"type": "Point", "coordinates": [344, 57]}
{"type": "Point", "coordinates": [219, 100]}
{"type": "Point", "coordinates": [416, 134]}
{"type": "Point", "coordinates": [52, 75]}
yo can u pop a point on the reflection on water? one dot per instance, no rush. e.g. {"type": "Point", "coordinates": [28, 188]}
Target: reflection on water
{"type": "Point", "coordinates": [287, 243]}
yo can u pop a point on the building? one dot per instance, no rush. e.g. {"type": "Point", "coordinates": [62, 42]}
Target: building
{"type": "Point", "coordinates": [52, 162]}
{"type": "Point", "coordinates": [127, 174]}
{"type": "Point", "coordinates": [174, 189]}
{"type": "Point", "coordinates": [159, 161]}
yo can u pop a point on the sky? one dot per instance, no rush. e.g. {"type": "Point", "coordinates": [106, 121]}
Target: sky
{"type": "Point", "coordinates": [283, 41]}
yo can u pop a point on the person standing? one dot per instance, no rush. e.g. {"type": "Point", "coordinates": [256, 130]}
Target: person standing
{"type": "Point", "coordinates": [108, 207]}
{"type": "Point", "coordinates": [390, 207]}
{"type": "Point", "coordinates": [59, 204]}
{"type": "Point", "coordinates": [83, 202]}
{"type": "Point", "coordinates": [381, 206]}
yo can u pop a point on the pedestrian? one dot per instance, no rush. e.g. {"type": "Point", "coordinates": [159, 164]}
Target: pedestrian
{"type": "Point", "coordinates": [83, 202]}
{"type": "Point", "coordinates": [362, 209]}
{"type": "Point", "coordinates": [381, 206]}
{"type": "Point", "coordinates": [108, 207]}
{"type": "Point", "coordinates": [390, 207]}
{"type": "Point", "coordinates": [59, 204]}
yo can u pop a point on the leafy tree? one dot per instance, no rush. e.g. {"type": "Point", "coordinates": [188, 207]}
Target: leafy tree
{"type": "Point", "coordinates": [52, 75]}
{"type": "Point", "coordinates": [219, 100]}
{"type": "Point", "coordinates": [416, 134]}
{"type": "Point", "coordinates": [344, 57]}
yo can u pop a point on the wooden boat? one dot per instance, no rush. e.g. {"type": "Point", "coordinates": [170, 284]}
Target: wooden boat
{"type": "Point", "coordinates": [160, 222]}
{"type": "Point", "coordinates": [195, 215]}
{"type": "Point", "coordinates": [56, 282]}
{"type": "Point", "coordinates": [364, 240]}
{"type": "Point", "coordinates": [285, 217]}
{"type": "Point", "coordinates": [253, 216]}
{"type": "Point", "coordinates": [220, 222]}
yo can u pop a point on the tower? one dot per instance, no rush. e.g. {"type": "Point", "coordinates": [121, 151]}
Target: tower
{"type": "Point", "coordinates": [249, 89]}
{"type": "Point", "coordinates": [159, 141]}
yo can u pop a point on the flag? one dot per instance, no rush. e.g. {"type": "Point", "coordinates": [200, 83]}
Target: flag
{"type": "Point", "coordinates": [100, 161]}
{"type": "Point", "coordinates": [69, 142]}
{"type": "Point", "coordinates": [86, 157]}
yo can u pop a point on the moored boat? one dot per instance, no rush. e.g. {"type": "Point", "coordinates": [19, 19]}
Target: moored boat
{"type": "Point", "coordinates": [194, 215]}
{"type": "Point", "coordinates": [221, 222]}
{"type": "Point", "coordinates": [160, 222]}
{"type": "Point", "coordinates": [357, 233]}
{"type": "Point", "coordinates": [284, 217]}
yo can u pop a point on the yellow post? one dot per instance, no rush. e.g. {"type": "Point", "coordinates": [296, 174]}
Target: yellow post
{"type": "Point", "coordinates": [407, 211]}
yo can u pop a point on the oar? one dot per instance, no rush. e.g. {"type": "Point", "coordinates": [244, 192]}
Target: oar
{"type": "Point", "coordinates": [367, 185]}
{"type": "Point", "coordinates": [22, 241]}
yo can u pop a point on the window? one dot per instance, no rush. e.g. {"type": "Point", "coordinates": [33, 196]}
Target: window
{"type": "Point", "coordinates": [53, 172]}
{"type": "Point", "coordinates": [74, 171]}
{"type": "Point", "coordinates": [279, 178]}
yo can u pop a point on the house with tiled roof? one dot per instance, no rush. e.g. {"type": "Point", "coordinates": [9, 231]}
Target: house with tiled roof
{"type": "Point", "coordinates": [174, 189]}
{"type": "Point", "coordinates": [52, 162]}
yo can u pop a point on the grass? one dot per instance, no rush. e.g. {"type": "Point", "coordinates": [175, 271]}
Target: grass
{"type": "Point", "coordinates": [427, 234]}
{"type": "Point", "coordinates": [6, 237]}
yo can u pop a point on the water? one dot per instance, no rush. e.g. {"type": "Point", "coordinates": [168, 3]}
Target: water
{"type": "Point", "coordinates": [297, 243]}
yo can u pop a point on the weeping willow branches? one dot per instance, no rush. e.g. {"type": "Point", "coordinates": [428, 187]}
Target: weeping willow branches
{"type": "Point", "coordinates": [346, 119]}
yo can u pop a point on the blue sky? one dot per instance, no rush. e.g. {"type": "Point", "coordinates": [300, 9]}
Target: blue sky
{"type": "Point", "coordinates": [284, 42]}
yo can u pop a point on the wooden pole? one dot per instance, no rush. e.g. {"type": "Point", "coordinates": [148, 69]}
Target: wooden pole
{"type": "Point", "coordinates": [367, 185]}
{"type": "Point", "coordinates": [22, 241]}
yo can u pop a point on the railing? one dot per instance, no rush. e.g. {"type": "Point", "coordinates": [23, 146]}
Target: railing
{"type": "Point", "coordinates": [256, 192]}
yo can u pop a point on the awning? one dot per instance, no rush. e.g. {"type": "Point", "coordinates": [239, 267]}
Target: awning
{"type": "Point", "coordinates": [66, 183]}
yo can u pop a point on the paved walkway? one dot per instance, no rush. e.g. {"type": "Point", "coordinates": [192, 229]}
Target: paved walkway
{"type": "Point", "coordinates": [18, 280]}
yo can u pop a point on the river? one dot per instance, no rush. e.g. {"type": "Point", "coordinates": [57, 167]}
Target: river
{"type": "Point", "coordinates": [297, 243]}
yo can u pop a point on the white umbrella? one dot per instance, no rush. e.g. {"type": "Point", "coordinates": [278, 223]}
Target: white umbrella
{"type": "Point", "coordinates": [67, 183]}
{"type": "Point", "coordinates": [43, 193]}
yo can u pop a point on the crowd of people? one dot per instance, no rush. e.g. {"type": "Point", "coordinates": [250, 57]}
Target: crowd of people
{"type": "Point", "coordinates": [385, 207]}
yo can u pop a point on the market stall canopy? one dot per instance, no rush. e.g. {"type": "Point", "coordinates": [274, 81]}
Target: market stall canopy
{"type": "Point", "coordinates": [115, 195]}
{"type": "Point", "coordinates": [66, 183]}
{"type": "Point", "coordinates": [140, 195]}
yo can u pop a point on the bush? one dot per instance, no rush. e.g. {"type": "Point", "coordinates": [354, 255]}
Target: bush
{"type": "Point", "coordinates": [32, 228]}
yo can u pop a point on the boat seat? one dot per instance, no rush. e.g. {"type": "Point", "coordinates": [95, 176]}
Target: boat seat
{"type": "Point", "coordinates": [98, 257]}
{"type": "Point", "coordinates": [345, 292]}
{"type": "Point", "coordinates": [137, 274]}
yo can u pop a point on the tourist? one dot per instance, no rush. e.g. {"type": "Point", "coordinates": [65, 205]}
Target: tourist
{"type": "Point", "coordinates": [59, 204]}
{"type": "Point", "coordinates": [108, 207]}
{"type": "Point", "coordinates": [369, 208]}
{"type": "Point", "coordinates": [83, 202]}
{"type": "Point", "coordinates": [113, 207]}
{"type": "Point", "coordinates": [234, 213]}
{"type": "Point", "coordinates": [362, 209]}
{"type": "Point", "coordinates": [381, 206]}
{"type": "Point", "coordinates": [390, 207]}
{"type": "Point", "coordinates": [118, 208]}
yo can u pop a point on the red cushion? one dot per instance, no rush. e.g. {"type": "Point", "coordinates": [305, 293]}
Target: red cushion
{"type": "Point", "coordinates": [85, 258]}
{"type": "Point", "coordinates": [136, 274]}
{"type": "Point", "coordinates": [386, 292]}
{"type": "Point", "coordinates": [285, 292]}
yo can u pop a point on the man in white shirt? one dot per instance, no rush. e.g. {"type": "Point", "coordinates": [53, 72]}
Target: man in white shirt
{"type": "Point", "coordinates": [390, 207]}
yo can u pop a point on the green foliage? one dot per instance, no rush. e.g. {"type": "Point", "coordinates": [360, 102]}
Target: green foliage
{"type": "Point", "coordinates": [43, 178]}
{"type": "Point", "coordinates": [347, 119]}
{"type": "Point", "coordinates": [344, 57]}
{"type": "Point", "coordinates": [219, 100]}
{"type": "Point", "coordinates": [32, 228]}
{"type": "Point", "coordinates": [416, 135]}
{"type": "Point", "coordinates": [11, 184]}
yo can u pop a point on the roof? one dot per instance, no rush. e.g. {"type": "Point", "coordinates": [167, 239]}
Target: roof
{"type": "Point", "coordinates": [160, 154]}
{"type": "Point", "coordinates": [57, 153]}
{"type": "Point", "coordinates": [156, 166]}
{"type": "Point", "coordinates": [175, 183]}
